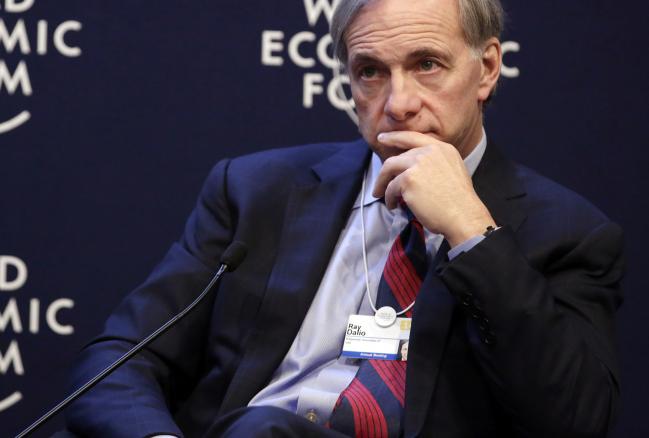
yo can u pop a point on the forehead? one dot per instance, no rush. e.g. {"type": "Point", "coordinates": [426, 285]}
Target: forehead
{"type": "Point", "coordinates": [394, 25]}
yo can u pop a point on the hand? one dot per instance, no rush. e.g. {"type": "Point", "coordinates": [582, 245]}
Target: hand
{"type": "Point", "coordinates": [432, 179]}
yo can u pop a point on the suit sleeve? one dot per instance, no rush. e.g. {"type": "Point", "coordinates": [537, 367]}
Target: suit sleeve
{"type": "Point", "coordinates": [135, 400]}
{"type": "Point", "coordinates": [543, 335]}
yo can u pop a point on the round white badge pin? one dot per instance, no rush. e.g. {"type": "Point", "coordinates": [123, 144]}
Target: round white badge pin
{"type": "Point", "coordinates": [385, 316]}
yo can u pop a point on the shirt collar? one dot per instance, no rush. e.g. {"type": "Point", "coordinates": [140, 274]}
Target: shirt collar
{"type": "Point", "coordinates": [473, 159]}
{"type": "Point", "coordinates": [471, 162]}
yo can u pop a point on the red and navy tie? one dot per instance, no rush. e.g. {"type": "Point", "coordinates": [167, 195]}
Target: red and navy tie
{"type": "Point", "coordinates": [372, 405]}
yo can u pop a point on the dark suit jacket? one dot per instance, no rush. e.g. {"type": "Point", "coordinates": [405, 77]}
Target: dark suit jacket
{"type": "Point", "coordinates": [513, 338]}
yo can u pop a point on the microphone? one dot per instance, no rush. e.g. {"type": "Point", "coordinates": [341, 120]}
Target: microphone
{"type": "Point", "coordinates": [234, 255]}
{"type": "Point", "coordinates": [230, 260]}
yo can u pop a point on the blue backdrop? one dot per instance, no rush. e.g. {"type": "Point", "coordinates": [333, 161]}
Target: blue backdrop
{"type": "Point", "coordinates": [112, 113]}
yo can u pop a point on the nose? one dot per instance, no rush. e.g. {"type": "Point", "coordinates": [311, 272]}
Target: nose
{"type": "Point", "coordinates": [403, 102]}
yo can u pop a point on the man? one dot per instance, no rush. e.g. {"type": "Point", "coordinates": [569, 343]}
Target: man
{"type": "Point", "coordinates": [512, 322]}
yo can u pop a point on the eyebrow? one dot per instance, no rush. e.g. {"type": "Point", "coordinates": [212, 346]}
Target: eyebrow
{"type": "Point", "coordinates": [422, 52]}
{"type": "Point", "coordinates": [363, 58]}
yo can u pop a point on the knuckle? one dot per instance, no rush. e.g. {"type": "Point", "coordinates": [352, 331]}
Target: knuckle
{"type": "Point", "coordinates": [388, 164]}
{"type": "Point", "coordinates": [426, 158]}
{"type": "Point", "coordinates": [407, 178]}
{"type": "Point", "coordinates": [436, 149]}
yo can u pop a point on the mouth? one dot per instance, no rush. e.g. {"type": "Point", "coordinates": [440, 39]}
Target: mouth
{"type": "Point", "coordinates": [385, 150]}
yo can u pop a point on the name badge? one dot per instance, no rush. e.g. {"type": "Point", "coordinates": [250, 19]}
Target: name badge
{"type": "Point", "coordinates": [365, 339]}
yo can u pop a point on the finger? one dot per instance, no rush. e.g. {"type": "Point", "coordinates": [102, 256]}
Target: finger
{"type": "Point", "coordinates": [406, 139]}
{"type": "Point", "coordinates": [392, 167]}
{"type": "Point", "coordinates": [393, 193]}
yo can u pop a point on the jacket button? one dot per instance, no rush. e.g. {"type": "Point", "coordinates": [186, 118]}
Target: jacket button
{"type": "Point", "coordinates": [311, 416]}
{"type": "Point", "coordinates": [467, 299]}
{"type": "Point", "coordinates": [490, 339]}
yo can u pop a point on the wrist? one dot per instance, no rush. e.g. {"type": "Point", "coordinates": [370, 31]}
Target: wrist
{"type": "Point", "coordinates": [469, 228]}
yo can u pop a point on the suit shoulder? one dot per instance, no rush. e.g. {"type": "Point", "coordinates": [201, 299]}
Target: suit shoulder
{"type": "Point", "coordinates": [287, 158]}
{"type": "Point", "coordinates": [550, 197]}
{"type": "Point", "coordinates": [557, 211]}
{"type": "Point", "coordinates": [275, 171]}
{"type": "Point", "coordinates": [275, 165]}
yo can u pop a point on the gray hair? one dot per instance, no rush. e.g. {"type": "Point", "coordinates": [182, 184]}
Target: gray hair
{"type": "Point", "coordinates": [480, 20]}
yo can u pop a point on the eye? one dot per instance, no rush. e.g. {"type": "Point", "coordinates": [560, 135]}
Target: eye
{"type": "Point", "coordinates": [368, 72]}
{"type": "Point", "coordinates": [428, 64]}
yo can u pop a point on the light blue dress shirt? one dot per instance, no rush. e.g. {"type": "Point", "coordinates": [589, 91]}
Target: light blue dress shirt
{"type": "Point", "coordinates": [312, 375]}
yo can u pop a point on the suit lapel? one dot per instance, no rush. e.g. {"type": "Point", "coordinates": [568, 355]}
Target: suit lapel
{"type": "Point", "coordinates": [317, 210]}
{"type": "Point", "coordinates": [430, 321]}
{"type": "Point", "coordinates": [496, 184]}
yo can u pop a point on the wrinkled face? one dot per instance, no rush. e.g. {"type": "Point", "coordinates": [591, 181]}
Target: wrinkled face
{"type": "Point", "coordinates": [411, 70]}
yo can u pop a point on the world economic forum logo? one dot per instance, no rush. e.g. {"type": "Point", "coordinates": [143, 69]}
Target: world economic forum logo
{"type": "Point", "coordinates": [313, 52]}
{"type": "Point", "coordinates": [38, 38]}
{"type": "Point", "coordinates": [21, 318]}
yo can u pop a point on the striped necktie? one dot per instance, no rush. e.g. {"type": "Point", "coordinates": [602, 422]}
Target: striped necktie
{"type": "Point", "coordinates": [372, 404]}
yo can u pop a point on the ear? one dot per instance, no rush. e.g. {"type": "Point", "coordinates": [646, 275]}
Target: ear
{"type": "Point", "coordinates": [491, 62]}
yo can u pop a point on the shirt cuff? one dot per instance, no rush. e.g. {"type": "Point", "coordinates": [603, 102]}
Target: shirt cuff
{"type": "Point", "coordinates": [465, 246]}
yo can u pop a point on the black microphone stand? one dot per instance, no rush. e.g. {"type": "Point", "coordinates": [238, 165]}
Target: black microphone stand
{"type": "Point", "coordinates": [230, 260]}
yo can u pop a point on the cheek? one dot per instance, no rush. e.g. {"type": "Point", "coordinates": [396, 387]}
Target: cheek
{"type": "Point", "coordinates": [361, 102]}
{"type": "Point", "coordinates": [366, 110]}
{"type": "Point", "coordinates": [468, 87]}
{"type": "Point", "coordinates": [368, 98]}
{"type": "Point", "coordinates": [455, 101]}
